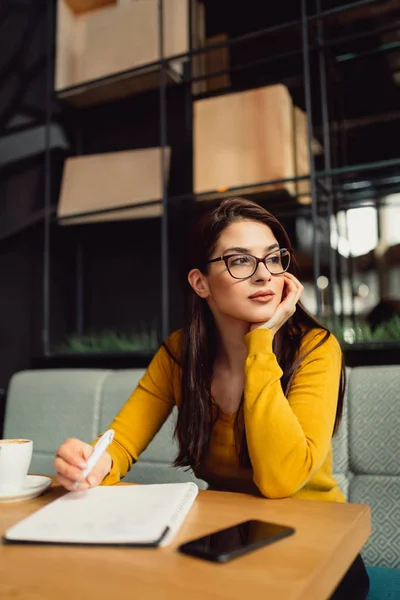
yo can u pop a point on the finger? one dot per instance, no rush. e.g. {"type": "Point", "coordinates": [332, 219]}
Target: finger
{"type": "Point", "coordinates": [66, 470]}
{"type": "Point", "coordinates": [291, 293]}
{"type": "Point", "coordinates": [75, 452]}
{"type": "Point", "coordinates": [289, 278]}
{"type": "Point", "coordinates": [300, 290]}
{"type": "Point", "coordinates": [299, 293]}
{"type": "Point", "coordinates": [294, 285]}
{"type": "Point", "coordinates": [96, 475]}
{"type": "Point", "coordinates": [87, 450]}
{"type": "Point", "coordinates": [70, 485]}
{"type": "Point", "coordinates": [100, 470]}
{"type": "Point", "coordinates": [292, 277]}
{"type": "Point", "coordinates": [286, 308]}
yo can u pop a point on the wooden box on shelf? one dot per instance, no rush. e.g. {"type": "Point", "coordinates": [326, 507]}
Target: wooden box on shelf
{"type": "Point", "coordinates": [109, 181]}
{"type": "Point", "coordinates": [246, 138]}
{"type": "Point", "coordinates": [103, 39]}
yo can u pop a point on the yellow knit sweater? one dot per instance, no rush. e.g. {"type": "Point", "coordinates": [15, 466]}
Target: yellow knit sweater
{"type": "Point", "coordinates": [289, 439]}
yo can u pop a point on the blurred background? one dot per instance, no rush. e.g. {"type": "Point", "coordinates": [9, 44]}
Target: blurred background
{"type": "Point", "coordinates": [122, 120]}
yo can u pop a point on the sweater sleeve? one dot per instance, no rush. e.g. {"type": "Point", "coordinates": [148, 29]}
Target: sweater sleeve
{"type": "Point", "coordinates": [142, 415]}
{"type": "Point", "coordinates": [289, 438]}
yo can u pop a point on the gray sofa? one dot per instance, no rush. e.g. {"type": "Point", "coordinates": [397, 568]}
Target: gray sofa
{"type": "Point", "coordinates": [49, 406]}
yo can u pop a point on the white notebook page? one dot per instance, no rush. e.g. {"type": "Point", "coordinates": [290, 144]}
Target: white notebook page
{"type": "Point", "coordinates": [110, 515]}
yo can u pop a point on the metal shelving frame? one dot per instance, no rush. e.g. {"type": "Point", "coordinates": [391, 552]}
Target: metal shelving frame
{"type": "Point", "coordinates": [325, 198]}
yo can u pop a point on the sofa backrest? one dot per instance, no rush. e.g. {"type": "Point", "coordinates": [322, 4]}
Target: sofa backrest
{"type": "Point", "coordinates": [374, 457]}
{"type": "Point", "coordinates": [49, 406]}
{"type": "Point", "coordinates": [340, 446]}
{"type": "Point", "coordinates": [52, 405]}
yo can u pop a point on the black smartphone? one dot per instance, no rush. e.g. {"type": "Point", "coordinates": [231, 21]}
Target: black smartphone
{"type": "Point", "coordinates": [234, 541]}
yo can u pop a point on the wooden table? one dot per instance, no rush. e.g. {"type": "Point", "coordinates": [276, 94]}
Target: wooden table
{"type": "Point", "coordinates": [307, 565]}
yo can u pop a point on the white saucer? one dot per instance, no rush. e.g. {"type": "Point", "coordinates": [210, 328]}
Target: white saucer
{"type": "Point", "coordinates": [34, 486]}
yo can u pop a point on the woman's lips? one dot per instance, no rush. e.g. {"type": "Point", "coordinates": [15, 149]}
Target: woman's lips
{"type": "Point", "coordinates": [262, 297]}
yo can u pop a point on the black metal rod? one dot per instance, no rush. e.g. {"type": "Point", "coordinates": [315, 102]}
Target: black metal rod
{"type": "Point", "coordinates": [47, 182]}
{"type": "Point", "coordinates": [105, 211]}
{"type": "Point", "coordinates": [320, 177]}
{"type": "Point", "coordinates": [321, 184]}
{"type": "Point", "coordinates": [314, 211]}
{"type": "Point", "coordinates": [327, 162]}
{"type": "Point", "coordinates": [341, 274]}
{"type": "Point", "coordinates": [348, 58]}
{"type": "Point", "coordinates": [188, 91]}
{"type": "Point", "coordinates": [247, 65]}
{"type": "Point", "coordinates": [379, 164]}
{"type": "Point", "coordinates": [330, 43]}
{"type": "Point", "coordinates": [80, 271]}
{"type": "Point", "coordinates": [365, 202]}
{"type": "Point", "coordinates": [80, 288]}
{"type": "Point", "coordinates": [163, 144]}
{"type": "Point", "coordinates": [342, 8]}
{"type": "Point", "coordinates": [350, 273]}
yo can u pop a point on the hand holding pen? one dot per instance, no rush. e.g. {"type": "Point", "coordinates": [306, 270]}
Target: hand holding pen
{"type": "Point", "coordinates": [80, 466]}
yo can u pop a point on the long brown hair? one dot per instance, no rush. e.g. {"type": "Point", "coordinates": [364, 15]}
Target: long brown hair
{"type": "Point", "coordinates": [197, 412]}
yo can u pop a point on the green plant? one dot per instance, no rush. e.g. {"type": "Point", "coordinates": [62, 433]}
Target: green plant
{"type": "Point", "coordinates": [362, 333]}
{"type": "Point", "coordinates": [142, 339]}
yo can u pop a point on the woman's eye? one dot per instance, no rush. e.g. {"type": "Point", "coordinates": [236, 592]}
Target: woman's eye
{"type": "Point", "coordinates": [240, 260]}
{"type": "Point", "coordinates": [274, 260]}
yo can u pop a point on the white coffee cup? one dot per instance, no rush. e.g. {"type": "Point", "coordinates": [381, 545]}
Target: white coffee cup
{"type": "Point", "coordinates": [15, 459]}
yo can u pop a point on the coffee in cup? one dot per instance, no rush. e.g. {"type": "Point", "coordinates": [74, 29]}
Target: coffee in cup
{"type": "Point", "coordinates": [15, 459]}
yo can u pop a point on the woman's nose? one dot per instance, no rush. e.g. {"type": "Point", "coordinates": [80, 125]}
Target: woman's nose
{"type": "Point", "coordinates": [262, 273]}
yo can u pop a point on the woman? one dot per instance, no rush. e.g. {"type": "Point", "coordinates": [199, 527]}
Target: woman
{"type": "Point", "coordinates": [258, 382]}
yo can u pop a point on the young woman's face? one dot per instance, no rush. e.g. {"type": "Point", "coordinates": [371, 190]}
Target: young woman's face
{"type": "Point", "coordinates": [254, 299]}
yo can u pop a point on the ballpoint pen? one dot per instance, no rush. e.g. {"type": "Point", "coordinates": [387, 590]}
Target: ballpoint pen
{"type": "Point", "coordinates": [98, 451]}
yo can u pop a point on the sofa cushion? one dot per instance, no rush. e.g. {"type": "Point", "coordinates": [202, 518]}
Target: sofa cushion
{"type": "Point", "coordinates": [343, 483]}
{"type": "Point", "coordinates": [153, 472]}
{"type": "Point", "coordinates": [117, 388]}
{"type": "Point", "coordinates": [374, 420]}
{"type": "Point", "coordinates": [42, 464]}
{"type": "Point", "coordinates": [340, 449]}
{"type": "Point", "coordinates": [381, 493]}
{"type": "Point", "coordinates": [340, 444]}
{"type": "Point", "coordinates": [384, 584]}
{"type": "Point", "coordinates": [50, 406]}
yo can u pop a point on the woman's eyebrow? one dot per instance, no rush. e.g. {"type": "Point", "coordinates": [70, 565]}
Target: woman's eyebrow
{"type": "Point", "coordinates": [247, 251]}
{"type": "Point", "coordinates": [237, 249]}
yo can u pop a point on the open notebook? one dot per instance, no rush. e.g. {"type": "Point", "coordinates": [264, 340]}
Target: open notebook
{"type": "Point", "coordinates": [143, 515]}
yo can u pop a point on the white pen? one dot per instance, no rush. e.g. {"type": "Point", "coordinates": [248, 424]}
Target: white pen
{"type": "Point", "coordinates": [98, 451]}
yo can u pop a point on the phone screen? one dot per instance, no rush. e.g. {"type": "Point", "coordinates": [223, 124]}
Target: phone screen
{"type": "Point", "coordinates": [234, 541]}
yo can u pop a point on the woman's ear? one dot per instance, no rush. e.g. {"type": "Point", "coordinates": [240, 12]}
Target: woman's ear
{"type": "Point", "coordinates": [199, 283]}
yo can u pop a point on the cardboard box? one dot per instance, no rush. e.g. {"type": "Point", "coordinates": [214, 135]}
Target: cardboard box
{"type": "Point", "coordinates": [213, 61]}
{"type": "Point", "coordinates": [80, 6]}
{"type": "Point", "coordinates": [207, 62]}
{"type": "Point", "coordinates": [119, 36]}
{"type": "Point", "coordinates": [112, 180]}
{"type": "Point", "coordinates": [246, 138]}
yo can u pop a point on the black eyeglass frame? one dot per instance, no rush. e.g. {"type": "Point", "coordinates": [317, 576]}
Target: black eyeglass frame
{"type": "Point", "coordinates": [258, 261]}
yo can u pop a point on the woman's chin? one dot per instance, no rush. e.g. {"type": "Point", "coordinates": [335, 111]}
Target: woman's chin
{"type": "Point", "coordinates": [262, 315]}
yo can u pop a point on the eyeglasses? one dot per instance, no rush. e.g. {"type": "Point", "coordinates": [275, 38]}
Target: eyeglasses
{"type": "Point", "coordinates": [243, 266]}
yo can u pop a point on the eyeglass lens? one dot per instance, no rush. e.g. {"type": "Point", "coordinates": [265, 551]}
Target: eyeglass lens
{"type": "Point", "coordinates": [241, 266]}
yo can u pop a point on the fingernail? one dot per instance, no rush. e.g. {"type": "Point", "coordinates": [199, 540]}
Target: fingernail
{"type": "Point", "coordinates": [82, 464]}
{"type": "Point", "coordinates": [75, 484]}
{"type": "Point", "coordinates": [92, 480]}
